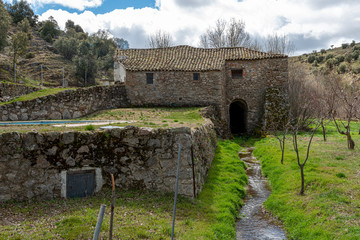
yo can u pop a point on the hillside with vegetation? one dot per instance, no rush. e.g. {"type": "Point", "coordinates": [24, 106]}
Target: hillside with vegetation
{"type": "Point", "coordinates": [43, 54]}
{"type": "Point", "coordinates": [343, 61]}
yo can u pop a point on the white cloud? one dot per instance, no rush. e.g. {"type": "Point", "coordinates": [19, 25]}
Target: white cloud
{"type": "Point", "coordinates": [75, 4]}
{"type": "Point", "coordinates": [311, 25]}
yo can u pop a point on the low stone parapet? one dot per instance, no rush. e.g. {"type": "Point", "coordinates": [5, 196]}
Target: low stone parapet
{"type": "Point", "coordinates": [67, 104]}
{"type": "Point", "coordinates": [34, 165]}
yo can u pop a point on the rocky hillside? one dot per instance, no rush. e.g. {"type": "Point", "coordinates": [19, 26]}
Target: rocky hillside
{"type": "Point", "coordinates": [343, 60]}
{"type": "Point", "coordinates": [38, 53]}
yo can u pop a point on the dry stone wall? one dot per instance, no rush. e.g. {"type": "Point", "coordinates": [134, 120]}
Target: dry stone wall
{"type": "Point", "coordinates": [31, 164]}
{"type": "Point", "coordinates": [67, 104]}
{"type": "Point", "coordinates": [8, 91]}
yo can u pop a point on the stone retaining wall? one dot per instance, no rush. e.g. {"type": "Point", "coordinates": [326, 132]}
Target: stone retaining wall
{"type": "Point", "coordinates": [67, 104]}
{"type": "Point", "coordinates": [32, 164]}
{"type": "Point", "coordinates": [9, 91]}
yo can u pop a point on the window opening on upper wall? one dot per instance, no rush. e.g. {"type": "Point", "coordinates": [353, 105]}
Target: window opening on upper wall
{"type": "Point", "coordinates": [149, 78]}
{"type": "Point", "coordinates": [237, 73]}
{"type": "Point", "coordinates": [196, 76]}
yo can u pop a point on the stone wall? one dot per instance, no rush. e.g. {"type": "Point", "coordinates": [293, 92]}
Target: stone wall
{"type": "Point", "coordinates": [258, 76]}
{"type": "Point", "coordinates": [175, 89]}
{"type": "Point", "coordinates": [67, 104]}
{"type": "Point", "coordinates": [32, 164]}
{"type": "Point", "coordinates": [9, 91]}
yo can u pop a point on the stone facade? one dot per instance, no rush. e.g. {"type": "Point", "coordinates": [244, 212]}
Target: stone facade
{"type": "Point", "coordinates": [258, 76]}
{"type": "Point", "coordinates": [67, 105]}
{"type": "Point", "coordinates": [173, 83]}
{"type": "Point", "coordinates": [216, 88]}
{"type": "Point", "coordinates": [9, 91]}
{"type": "Point", "coordinates": [32, 164]}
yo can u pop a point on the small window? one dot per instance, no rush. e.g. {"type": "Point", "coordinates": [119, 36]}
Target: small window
{"type": "Point", "coordinates": [196, 76]}
{"type": "Point", "coordinates": [149, 78]}
{"type": "Point", "coordinates": [237, 73]}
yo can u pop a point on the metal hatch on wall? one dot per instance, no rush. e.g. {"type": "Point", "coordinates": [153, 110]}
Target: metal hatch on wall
{"type": "Point", "coordinates": [81, 182]}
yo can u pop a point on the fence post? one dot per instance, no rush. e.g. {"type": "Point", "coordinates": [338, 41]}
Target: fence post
{"type": "Point", "coordinates": [112, 206]}
{"type": "Point", "coordinates": [63, 75]}
{"type": "Point", "coordinates": [176, 192]}
{"type": "Point", "coordinates": [193, 170]}
{"type": "Point", "coordinates": [15, 72]}
{"type": "Point", "coordinates": [99, 222]}
{"type": "Point", "coordinates": [41, 75]}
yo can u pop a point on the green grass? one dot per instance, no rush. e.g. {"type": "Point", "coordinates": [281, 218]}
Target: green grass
{"type": "Point", "coordinates": [138, 214]}
{"type": "Point", "coordinates": [37, 94]}
{"type": "Point", "coordinates": [330, 207]}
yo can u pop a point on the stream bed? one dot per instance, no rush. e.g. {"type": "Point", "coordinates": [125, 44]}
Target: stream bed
{"type": "Point", "coordinates": [255, 223]}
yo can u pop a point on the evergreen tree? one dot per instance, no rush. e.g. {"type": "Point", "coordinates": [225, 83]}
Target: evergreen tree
{"type": "Point", "coordinates": [5, 21]}
{"type": "Point", "coordinates": [20, 10]}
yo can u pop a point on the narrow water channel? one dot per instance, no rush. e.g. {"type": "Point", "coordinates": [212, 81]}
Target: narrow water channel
{"type": "Point", "coordinates": [255, 223]}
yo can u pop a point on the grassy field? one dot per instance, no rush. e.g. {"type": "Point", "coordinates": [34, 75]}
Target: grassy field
{"type": "Point", "coordinates": [138, 214]}
{"type": "Point", "coordinates": [330, 208]}
{"type": "Point", "coordinates": [140, 117]}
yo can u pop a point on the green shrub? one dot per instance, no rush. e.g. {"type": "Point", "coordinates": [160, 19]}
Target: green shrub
{"type": "Point", "coordinates": [311, 59]}
{"type": "Point", "coordinates": [340, 58]}
{"type": "Point", "coordinates": [329, 56]}
{"type": "Point", "coordinates": [323, 51]}
{"type": "Point", "coordinates": [356, 69]}
{"type": "Point", "coordinates": [315, 63]}
{"type": "Point", "coordinates": [355, 54]}
{"type": "Point", "coordinates": [320, 58]}
{"type": "Point", "coordinates": [348, 58]}
{"type": "Point", "coordinates": [344, 45]}
{"type": "Point", "coordinates": [330, 63]}
{"type": "Point", "coordinates": [352, 44]}
{"type": "Point", "coordinates": [355, 48]}
{"type": "Point", "coordinates": [342, 68]}
{"type": "Point", "coordinates": [89, 128]}
{"type": "Point", "coordinates": [341, 175]}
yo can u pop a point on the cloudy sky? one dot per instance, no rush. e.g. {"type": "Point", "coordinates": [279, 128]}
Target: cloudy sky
{"type": "Point", "coordinates": [310, 24]}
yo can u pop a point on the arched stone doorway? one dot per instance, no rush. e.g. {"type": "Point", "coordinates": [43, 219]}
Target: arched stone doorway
{"type": "Point", "coordinates": [238, 117]}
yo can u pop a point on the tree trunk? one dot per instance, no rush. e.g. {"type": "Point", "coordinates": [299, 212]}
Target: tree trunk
{"type": "Point", "coordinates": [323, 131]}
{"type": "Point", "coordinates": [351, 143]}
{"type": "Point", "coordinates": [302, 180]}
{"type": "Point", "coordinates": [282, 152]}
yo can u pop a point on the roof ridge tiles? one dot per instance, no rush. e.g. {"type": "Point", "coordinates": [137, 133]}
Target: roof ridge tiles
{"type": "Point", "coordinates": [186, 58]}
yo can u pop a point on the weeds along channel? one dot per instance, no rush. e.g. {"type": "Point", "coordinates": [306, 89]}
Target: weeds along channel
{"type": "Point", "coordinates": [330, 207]}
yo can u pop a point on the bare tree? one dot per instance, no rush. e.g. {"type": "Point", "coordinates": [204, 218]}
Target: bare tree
{"type": "Point", "coordinates": [279, 44]}
{"type": "Point", "coordinates": [160, 39]}
{"type": "Point", "coordinates": [256, 45]}
{"type": "Point", "coordinates": [236, 35]}
{"type": "Point", "coordinates": [305, 103]}
{"type": "Point", "coordinates": [345, 99]}
{"type": "Point", "coordinates": [296, 149]}
{"type": "Point", "coordinates": [226, 34]}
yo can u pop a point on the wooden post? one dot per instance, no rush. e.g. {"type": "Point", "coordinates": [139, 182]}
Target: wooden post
{"type": "Point", "coordinates": [112, 206]}
{"type": "Point", "coordinates": [193, 170]}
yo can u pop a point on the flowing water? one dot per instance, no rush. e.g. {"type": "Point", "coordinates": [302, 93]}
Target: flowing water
{"type": "Point", "coordinates": [255, 223]}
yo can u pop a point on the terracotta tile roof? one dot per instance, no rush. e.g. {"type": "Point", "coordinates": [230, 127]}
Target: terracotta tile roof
{"type": "Point", "coordinates": [185, 58]}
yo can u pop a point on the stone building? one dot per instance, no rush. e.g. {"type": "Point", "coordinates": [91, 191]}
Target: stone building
{"type": "Point", "coordinates": [235, 80]}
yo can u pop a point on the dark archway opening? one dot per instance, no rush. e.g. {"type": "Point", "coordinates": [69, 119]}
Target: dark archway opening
{"type": "Point", "coordinates": [238, 117]}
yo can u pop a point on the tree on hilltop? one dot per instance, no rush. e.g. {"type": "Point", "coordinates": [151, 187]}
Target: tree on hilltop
{"type": "Point", "coordinates": [20, 10]}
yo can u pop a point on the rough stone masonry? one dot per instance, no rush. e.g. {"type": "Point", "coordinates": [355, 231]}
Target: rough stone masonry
{"type": "Point", "coordinates": [31, 163]}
